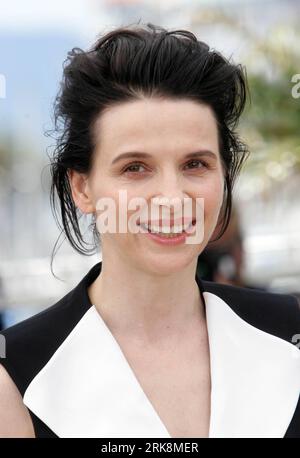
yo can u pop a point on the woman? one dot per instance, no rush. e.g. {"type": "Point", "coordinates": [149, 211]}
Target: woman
{"type": "Point", "coordinates": [142, 347]}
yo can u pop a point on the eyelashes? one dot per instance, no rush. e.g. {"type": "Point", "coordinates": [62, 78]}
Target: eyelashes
{"type": "Point", "coordinates": [140, 164]}
{"type": "Point", "coordinates": [205, 164]}
{"type": "Point", "coordinates": [135, 164]}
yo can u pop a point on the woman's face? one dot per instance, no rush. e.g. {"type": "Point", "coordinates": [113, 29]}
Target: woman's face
{"type": "Point", "coordinates": [167, 130]}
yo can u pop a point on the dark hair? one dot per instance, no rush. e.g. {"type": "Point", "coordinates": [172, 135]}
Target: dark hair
{"type": "Point", "coordinates": [121, 65]}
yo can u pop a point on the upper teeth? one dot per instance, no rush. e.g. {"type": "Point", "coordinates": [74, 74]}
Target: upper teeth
{"type": "Point", "coordinates": [166, 229]}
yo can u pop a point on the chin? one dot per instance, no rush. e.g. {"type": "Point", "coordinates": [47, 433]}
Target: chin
{"type": "Point", "coordinates": [165, 264]}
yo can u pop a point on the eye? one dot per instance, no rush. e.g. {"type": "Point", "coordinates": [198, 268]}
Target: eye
{"type": "Point", "coordinates": [135, 167]}
{"type": "Point", "coordinates": [197, 162]}
{"type": "Point", "coordinates": [132, 168]}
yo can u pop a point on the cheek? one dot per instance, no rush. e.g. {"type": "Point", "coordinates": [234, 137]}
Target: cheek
{"type": "Point", "coordinates": [104, 189]}
{"type": "Point", "coordinates": [119, 200]}
{"type": "Point", "coordinates": [213, 198]}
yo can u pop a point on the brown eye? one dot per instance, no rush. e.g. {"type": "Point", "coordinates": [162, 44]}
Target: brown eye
{"type": "Point", "coordinates": [197, 162]}
{"type": "Point", "coordinates": [133, 168]}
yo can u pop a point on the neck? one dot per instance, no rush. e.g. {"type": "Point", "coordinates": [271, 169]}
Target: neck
{"type": "Point", "coordinates": [134, 301]}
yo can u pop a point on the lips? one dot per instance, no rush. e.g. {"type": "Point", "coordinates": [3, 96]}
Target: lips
{"type": "Point", "coordinates": [165, 227]}
{"type": "Point", "coordinates": [162, 222]}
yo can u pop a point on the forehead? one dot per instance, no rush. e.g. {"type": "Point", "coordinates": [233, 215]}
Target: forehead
{"type": "Point", "coordinates": [156, 123]}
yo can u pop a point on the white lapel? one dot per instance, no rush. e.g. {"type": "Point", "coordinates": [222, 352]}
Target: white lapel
{"type": "Point", "coordinates": [255, 376]}
{"type": "Point", "coordinates": [88, 389]}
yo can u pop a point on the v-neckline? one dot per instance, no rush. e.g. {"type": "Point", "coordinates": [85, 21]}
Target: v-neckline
{"type": "Point", "coordinates": [88, 388]}
{"type": "Point", "coordinates": [129, 368]}
{"type": "Point", "coordinates": [128, 365]}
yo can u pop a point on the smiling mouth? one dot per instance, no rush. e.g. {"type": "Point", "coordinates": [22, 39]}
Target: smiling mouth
{"type": "Point", "coordinates": [168, 231]}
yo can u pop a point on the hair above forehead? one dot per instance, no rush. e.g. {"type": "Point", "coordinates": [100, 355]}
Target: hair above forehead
{"type": "Point", "coordinates": [130, 63]}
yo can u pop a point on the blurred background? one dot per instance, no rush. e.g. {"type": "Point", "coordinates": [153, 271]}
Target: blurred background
{"type": "Point", "coordinates": [261, 248]}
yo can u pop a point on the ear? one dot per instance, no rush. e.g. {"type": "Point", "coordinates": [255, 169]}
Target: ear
{"type": "Point", "coordinates": [81, 192]}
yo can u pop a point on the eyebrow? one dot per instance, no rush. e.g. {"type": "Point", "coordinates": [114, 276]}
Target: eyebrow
{"type": "Point", "coordinates": [143, 155]}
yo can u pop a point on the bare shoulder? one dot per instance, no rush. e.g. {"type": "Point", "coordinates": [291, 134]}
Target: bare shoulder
{"type": "Point", "coordinates": [15, 420]}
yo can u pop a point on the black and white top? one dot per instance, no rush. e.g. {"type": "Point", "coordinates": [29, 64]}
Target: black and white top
{"type": "Point", "coordinates": [76, 381]}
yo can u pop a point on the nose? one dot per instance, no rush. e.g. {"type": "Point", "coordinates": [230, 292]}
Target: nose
{"type": "Point", "coordinates": [171, 193]}
{"type": "Point", "coordinates": [170, 187]}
